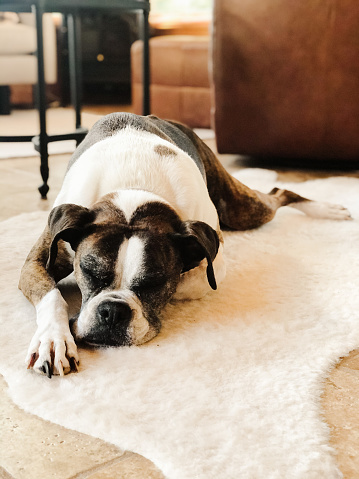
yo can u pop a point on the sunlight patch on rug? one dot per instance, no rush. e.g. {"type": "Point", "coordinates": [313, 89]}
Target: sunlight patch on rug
{"type": "Point", "coordinates": [231, 387]}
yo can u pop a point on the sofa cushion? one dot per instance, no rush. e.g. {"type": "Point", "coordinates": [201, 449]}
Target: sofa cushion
{"type": "Point", "coordinates": [18, 69]}
{"type": "Point", "coordinates": [16, 38]}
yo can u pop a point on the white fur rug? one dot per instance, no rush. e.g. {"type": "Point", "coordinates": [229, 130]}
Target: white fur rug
{"type": "Point", "coordinates": [231, 387]}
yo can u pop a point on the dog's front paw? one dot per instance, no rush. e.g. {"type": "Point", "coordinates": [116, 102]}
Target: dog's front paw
{"type": "Point", "coordinates": [52, 353]}
{"type": "Point", "coordinates": [52, 349]}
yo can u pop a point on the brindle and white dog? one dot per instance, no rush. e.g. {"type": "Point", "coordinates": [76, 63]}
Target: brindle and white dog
{"type": "Point", "coordinates": [138, 220]}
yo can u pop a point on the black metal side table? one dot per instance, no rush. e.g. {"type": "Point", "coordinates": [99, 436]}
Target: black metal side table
{"type": "Point", "coordinates": [72, 10]}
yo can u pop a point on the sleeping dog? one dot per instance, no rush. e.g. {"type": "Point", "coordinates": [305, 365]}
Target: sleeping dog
{"type": "Point", "coordinates": [138, 221]}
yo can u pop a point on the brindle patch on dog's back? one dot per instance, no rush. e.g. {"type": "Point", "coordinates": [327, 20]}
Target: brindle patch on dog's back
{"type": "Point", "coordinates": [164, 150]}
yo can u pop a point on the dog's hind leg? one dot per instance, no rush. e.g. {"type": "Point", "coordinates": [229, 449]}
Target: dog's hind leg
{"type": "Point", "coordinates": [315, 209]}
{"type": "Point", "coordinates": [242, 208]}
{"type": "Point", "coordinates": [238, 206]}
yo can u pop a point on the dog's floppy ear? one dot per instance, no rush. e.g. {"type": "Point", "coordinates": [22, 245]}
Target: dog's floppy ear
{"type": "Point", "coordinates": [67, 222]}
{"type": "Point", "coordinates": [196, 241]}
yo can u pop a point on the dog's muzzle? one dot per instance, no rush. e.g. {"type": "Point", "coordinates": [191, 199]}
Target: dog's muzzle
{"type": "Point", "coordinates": [111, 324]}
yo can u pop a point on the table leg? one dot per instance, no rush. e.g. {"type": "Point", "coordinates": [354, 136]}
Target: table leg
{"type": "Point", "coordinates": [41, 141]}
{"type": "Point", "coordinates": [146, 64]}
{"type": "Point", "coordinates": [74, 34]}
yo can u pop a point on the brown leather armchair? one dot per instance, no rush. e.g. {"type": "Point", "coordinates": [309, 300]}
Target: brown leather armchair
{"type": "Point", "coordinates": [180, 87]}
{"type": "Point", "coordinates": [286, 78]}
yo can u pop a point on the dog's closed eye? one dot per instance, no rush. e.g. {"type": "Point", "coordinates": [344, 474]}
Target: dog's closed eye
{"type": "Point", "coordinates": [148, 283]}
{"type": "Point", "coordinates": [96, 272]}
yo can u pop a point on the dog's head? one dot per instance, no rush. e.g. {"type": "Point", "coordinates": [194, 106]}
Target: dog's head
{"type": "Point", "coordinates": [127, 270]}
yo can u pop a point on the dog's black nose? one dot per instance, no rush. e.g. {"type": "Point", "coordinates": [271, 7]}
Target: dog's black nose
{"type": "Point", "coordinates": [112, 313]}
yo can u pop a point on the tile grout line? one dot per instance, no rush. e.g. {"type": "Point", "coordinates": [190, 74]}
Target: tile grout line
{"type": "Point", "coordinates": [100, 467]}
{"type": "Point", "coordinates": [4, 474]}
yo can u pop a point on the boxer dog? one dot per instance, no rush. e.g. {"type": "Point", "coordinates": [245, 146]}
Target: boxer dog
{"type": "Point", "coordinates": [138, 221]}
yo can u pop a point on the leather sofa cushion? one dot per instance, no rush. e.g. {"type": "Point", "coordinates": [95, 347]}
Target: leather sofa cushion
{"type": "Point", "coordinates": [16, 38]}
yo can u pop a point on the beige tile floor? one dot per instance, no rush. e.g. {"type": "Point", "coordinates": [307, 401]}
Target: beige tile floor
{"type": "Point", "coordinates": [31, 448]}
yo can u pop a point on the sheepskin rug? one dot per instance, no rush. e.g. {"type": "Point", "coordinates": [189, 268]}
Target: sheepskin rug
{"type": "Point", "coordinates": [231, 387]}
